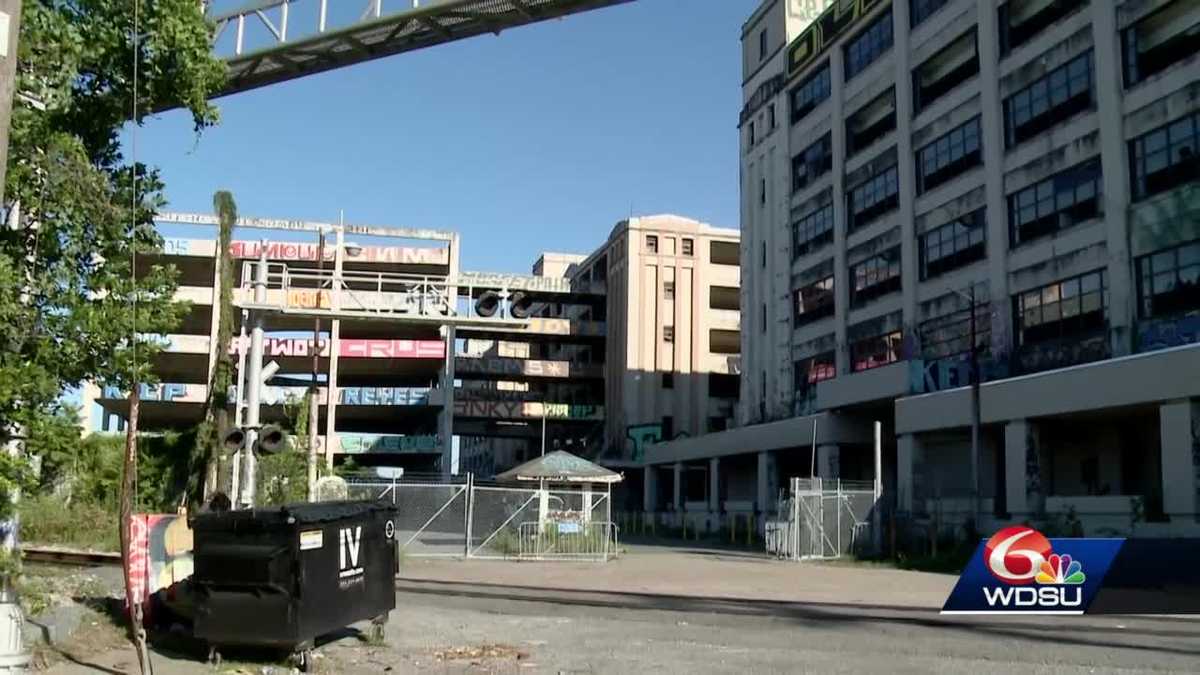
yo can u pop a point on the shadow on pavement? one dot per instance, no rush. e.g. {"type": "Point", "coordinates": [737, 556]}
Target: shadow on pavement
{"type": "Point", "coordinates": [830, 612]}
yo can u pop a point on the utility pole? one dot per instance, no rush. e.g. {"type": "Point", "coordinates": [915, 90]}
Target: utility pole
{"type": "Point", "coordinates": [254, 382]}
{"type": "Point", "coordinates": [314, 410]}
{"type": "Point", "coordinates": [543, 428]}
{"type": "Point", "coordinates": [10, 30]}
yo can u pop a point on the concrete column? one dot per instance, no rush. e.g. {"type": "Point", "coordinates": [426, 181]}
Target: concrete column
{"type": "Point", "coordinates": [766, 461]}
{"type": "Point", "coordinates": [907, 449]}
{"type": "Point", "coordinates": [1022, 472]}
{"type": "Point", "coordinates": [678, 496]}
{"type": "Point", "coordinates": [1114, 166]}
{"type": "Point", "coordinates": [650, 488]}
{"type": "Point", "coordinates": [1179, 422]}
{"type": "Point", "coordinates": [992, 128]}
{"type": "Point", "coordinates": [905, 169]}
{"type": "Point", "coordinates": [332, 443]}
{"type": "Point", "coordinates": [714, 485]}
{"type": "Point", "coordinates": [841, 281]}
{"type": "Point", "coordinates": [829, 462]}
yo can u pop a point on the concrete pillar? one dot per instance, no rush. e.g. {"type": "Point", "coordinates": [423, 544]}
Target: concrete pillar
{"type": "Point", "coordinates": [766, 470]}
{"type": "Point", "coordinates": [678, 495]}
{"type": "Point", "coordinates": [992, 128]}
{"type": "Point", "coordinates": [714, 485]}
{"type": "Point", "coordinates": [1022, 470]}
{"type": "Point", "coordinates": [1179, 422]}
{"type": "Point", "coordinates": [841, 281]}
{"type": "Point", "coordinates": [650, 488]}
{"type": "Point", "coordinates": [905, 174]}
{"type": "Point", "coordinates": [907, 449]}
{"type": "Point", "coordinates": [829, 462]}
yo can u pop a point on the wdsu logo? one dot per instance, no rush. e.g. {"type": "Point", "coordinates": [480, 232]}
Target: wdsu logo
{"type": "Point", "coordinates": [1019, 570]}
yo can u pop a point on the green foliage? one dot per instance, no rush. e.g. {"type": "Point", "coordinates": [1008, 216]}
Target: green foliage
{"type": "Point", "coordinates": [70, 303]}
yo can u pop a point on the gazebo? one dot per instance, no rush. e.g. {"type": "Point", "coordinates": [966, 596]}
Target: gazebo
{"type": "Point", "coordinates": [564, 469]}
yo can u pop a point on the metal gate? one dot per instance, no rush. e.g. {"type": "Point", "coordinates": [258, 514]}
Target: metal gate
{"type": "Point", "coordinates": [821, 519]}
{"type": "Point", "coordinates": [496, 522]}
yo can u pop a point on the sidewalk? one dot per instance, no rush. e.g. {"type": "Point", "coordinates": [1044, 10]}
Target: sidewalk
{"type": "Point", "coordinates": [700, 572]}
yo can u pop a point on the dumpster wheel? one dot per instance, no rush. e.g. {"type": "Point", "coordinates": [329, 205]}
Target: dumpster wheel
{"type": "Point", "coordinates": [303, 659]}
{"type": "Point", "coordinates": [378, 631]}
{"type": "Point", "coordinates": [214, 657]}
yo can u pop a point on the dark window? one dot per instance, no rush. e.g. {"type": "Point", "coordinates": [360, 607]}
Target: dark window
{"type": "Point", "coordinates": [941, 73]}
{"type": "Point", "coordinates": [953, 245]}
{"type": "Point", "coordinates": [764, 255]}
{"type": "Point", "coordinates": [810, 93]}
{"type": "Point", "coordinates": [1061, 93]}
{"type": "Point", "coordinates": [651, 244]}
{"type": "Point", "coordinates": [687, 247]}
{"type": "Point", "coordinates": [1169, 281]}
{"type": "Point", "coordinates": [695, 480]}
{"type": "Point", "coordinates": [1159, 41]}
{"type": "Point", "coordinates": [949, 156]}
{"type": "Point", "coordinates": [762, 45]}
{"type": "Point", "coordinates": [812, 231]}
{"type": "Point", "coordinates": [724, 297]}
{"type": "Point", "coordinates": [721, 385]}
{"type": "Point", "coordinates": [716, 424]}
{"type": "Point", "coordinates": [1063, 309]}
{"type": "Point", "coordinates": [722, 341]}
{"type": "Point", "coordinates": [668, 380]}
{"type": "Point", "coordinates": [814, 161]}
{"type": "Point", "coordinates": [950, 335]}
{"type": "Point", "coordinates": [771, 115]}
{"type": "Point", "coordinates": [1165, 157]}
{"type": "Point", "coordinates": [871, 122]}
{"type": "Point", "coordinates": [812, 302]}
{"type": "Point", "coordinates": [762, 191]}
{"type": "Point", "coordinates": [807, 372]}
{"type": "Point", "coordinates": [764, 317]}
{"type": "Point", "coordinates": [1020, 20]}
{"type": "Point", "coordinates": [723, 253]}
{"type": "Point", "coordinates": [872, 198]}
{"type": "Point", "coordinates": [875, 351]}
{"type": "Point", "coordinates": [668, 333]}
{"type": "Point", "coordinates": [866, 47]}
{"type": "Point", "coordinates": [1056, 203]}
{"type": "Point", "coordinates": [753, 139]}
{"type": "Point", "coordinates": [919, 10]}
{"type": "Point", "coordinates": [875, 276]}
{"type": "Point", "coordinates": [668, 290]}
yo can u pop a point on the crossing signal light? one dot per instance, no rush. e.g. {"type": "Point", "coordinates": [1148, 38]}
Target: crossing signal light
{"type": "Point", "coordinates": [488, 304]}
{"type": "Point", "coordinates": [271, 439]}
{"type": "Point", "coordinates": [234, 440]}
{"type": "Point", "coordinates": [520, 305]}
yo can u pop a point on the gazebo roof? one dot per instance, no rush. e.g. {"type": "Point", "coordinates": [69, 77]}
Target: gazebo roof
{"type": "Point", "coordinates": [560, 467]}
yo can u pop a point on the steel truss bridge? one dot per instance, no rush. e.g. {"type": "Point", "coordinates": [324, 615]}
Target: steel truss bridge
{"type": "Point", "coordinates": [270, 41]}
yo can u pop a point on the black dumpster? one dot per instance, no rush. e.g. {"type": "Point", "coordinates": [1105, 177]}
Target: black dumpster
{"type": "Point", "coordinates": [281, 577]}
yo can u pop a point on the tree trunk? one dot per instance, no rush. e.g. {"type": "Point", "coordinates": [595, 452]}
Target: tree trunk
{"type": "Point", "coordinates": [132, 595]}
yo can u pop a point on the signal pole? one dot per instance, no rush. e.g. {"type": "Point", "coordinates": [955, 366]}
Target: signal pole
{"type": "Point", "coordinates": [10, 30]}
{"type": "Point", "coordinates": [254, 382]}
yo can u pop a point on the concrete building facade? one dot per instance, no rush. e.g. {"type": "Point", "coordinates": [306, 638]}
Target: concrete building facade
{"type": "Point", "coordinates": [923, 181]}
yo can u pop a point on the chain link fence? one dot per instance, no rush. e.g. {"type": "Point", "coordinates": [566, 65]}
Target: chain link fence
{"type": "Point", "coordinates": [822, 519]}
{"type": "Point", "coordinates": [465, 519]}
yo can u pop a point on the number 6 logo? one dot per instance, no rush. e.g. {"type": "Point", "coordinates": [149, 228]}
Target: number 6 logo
{"type": "Point", "coordinates": [1014, 554]}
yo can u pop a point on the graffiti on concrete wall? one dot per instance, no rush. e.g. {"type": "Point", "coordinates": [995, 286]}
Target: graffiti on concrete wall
{"type": "Point", "coordinates": [642, 436]}
{"type": "Point", "coordinates": [1034, 494]}
{"type": "Point", "coordinates": [514, 282]}
{"type": "Point", "coordinates": [489, 394]}
{"type": "Point", "coordinates": [286, 250]}
{"type": "Point", "coordinates": [351, 348]}
{"type": "Point", "coordinates": [1163, 333]}
{"type": "Point", "coordinates": [389, 443]}
{"type": "Point", "coordinates": [383, 396]}
{"type": "Point", "coordinates": [526, 410]}
{"type": "Point", "coordinates": [952, 372]}
{"type": "Point", "coordinates": [564, 327]}
{"type": "Point", "coordinates": [1038, 357]}
{"type": "Point", "coordinates": [309, 299]}
{"type": "Point", "coordinates": [169, 392]}
{"type": "Point", "coordinates": [496, 366]}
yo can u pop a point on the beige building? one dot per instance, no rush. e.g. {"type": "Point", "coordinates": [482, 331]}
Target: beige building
{"type": "Point", "coordinates": [901, 158]}
{"type": "Point", "coordinates": [669, 361]}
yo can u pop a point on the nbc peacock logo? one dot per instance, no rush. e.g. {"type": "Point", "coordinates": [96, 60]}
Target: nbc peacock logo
{"type": "Point", "coordinates": [1020, 556]}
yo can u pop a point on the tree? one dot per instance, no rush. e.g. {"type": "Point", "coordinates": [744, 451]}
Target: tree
{"type": "Point", "coordinates": [79, 214]}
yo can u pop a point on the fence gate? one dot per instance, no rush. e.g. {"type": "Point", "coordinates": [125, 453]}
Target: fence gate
{"type": "Point", "coordinates": [821, 519]}
{"type": "Point", "coordinates": [478, 521]}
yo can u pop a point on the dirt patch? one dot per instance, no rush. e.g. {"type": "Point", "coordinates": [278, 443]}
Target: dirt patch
{"type": "Point", "coordinates": [480, 654]}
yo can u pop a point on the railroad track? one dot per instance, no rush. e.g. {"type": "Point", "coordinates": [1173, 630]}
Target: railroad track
{"type": "Point", "coordinates": [62, 556]}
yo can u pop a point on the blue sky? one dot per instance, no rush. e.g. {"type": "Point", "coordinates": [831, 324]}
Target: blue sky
{"type": "Point", "coordinates": [539, 139]}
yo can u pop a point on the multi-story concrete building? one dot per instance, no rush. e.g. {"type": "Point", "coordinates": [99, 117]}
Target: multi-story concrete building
{"type": "Point", "coordinates": [669, 364]}
{"type": "Point", "coordinates": [916, 173]}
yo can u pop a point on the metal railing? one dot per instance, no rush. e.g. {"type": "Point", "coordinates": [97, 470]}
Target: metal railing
{"type": "Point", "coordinates": [567, 540]}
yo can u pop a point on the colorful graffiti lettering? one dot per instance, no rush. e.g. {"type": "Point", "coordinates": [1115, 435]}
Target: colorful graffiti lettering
{"type": "Point", "coordinates": [499, 366]}
{"type": "Point", "coordinates": [525, 410]}
{"type": "Point", "coordinates": [160, 392]}
{"type": "Point", "coordinates": [351, 348]}
{"type": "Point", "coordinates": [390, 443]}
{"type": "Point", "coordinates": [383, 396]}
{"type": "Point", "coordinates": [304, 251]}
{"type": "Point", "coordinates": [1164, 333]}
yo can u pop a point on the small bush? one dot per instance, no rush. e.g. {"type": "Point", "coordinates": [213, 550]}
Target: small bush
{"type": "Point", "coordinates": [46, 519]}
